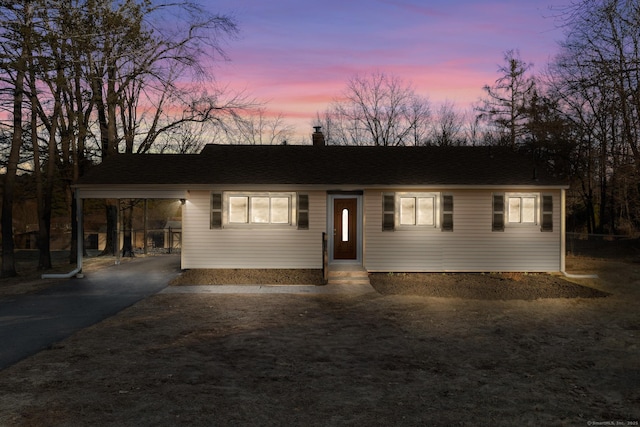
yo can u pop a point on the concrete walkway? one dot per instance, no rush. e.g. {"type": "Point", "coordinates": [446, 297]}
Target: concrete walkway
{"type": "Point", "coordinates": [30, 323]}
{"type": "Point", "coordinates": [269, 289]}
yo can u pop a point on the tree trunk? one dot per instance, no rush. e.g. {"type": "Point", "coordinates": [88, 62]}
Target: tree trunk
{"type": "Point", "coordinates": [112, 218]}
{"type": "Point", "coordinates": [8, 258]}
{"type": "Point", "coordinates": [44, 234]}
{"type": "Point", "coordinates": [73, 251]}
{"type": "Point", "coordinates": [127, 232]}
{"type": "Point", "coordinates": [145, 226]}
{"type": "Point", "coordinates": [44, 219]}
{"type": "Point", "coordinates": [44, 254]}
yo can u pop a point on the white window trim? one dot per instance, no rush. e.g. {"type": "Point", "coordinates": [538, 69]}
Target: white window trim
{"type": "Point", "coordinates": [536, 210]}
{"type": "Point", "coordinates": [293, 203]}
{"type": "Point", "coordinates": [437, 212]}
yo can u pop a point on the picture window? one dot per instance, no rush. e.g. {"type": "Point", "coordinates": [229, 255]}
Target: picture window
{"type": "Point", "coordinates": [255, 209]}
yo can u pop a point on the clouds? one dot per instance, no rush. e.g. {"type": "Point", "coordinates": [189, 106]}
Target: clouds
{"type": "Point", "coordinates": [299, 55]}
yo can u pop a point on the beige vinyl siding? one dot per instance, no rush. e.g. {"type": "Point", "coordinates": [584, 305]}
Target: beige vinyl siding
{"type": "Point", "coordinates": [252, 247]}
{"type": "Point", "coordinates": [471, 247]}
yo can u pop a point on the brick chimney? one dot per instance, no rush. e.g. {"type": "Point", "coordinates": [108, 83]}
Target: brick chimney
{"type": "Point", "coordinates": [317, 137]}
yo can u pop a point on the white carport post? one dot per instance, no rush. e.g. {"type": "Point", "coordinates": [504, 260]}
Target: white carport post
{"type": "Point", "coordinates": [80, 245]}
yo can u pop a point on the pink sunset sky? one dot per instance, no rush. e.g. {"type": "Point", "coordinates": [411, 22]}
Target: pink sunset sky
{"type": "Point", "coordinates": [298, 55]}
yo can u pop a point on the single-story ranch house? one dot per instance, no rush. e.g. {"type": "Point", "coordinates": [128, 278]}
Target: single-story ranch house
{"type": "Point", "coordinates": [387, 209]}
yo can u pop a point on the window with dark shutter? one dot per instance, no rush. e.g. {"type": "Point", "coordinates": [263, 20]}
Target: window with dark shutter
{"type": "Point", "coordinates": [498, 213]}
{"type": "Point", "coordinates": [216, 210]}
{"type": "Point", "coordinates": [447, 213]}
{"type": "Point", "coordinates": [388, 212]}
{"type": "Point", "coordinates": [303, 211]}
{"type": "Point", "coordinates": [547, 213]}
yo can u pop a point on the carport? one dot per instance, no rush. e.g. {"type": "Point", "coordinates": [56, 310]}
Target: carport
{"type": "Point", "coordinates": [82, 192]}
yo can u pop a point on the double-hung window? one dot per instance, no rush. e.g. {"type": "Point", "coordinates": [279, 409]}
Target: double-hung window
{"type": "Point", "coordinates": [521, 209]}
{"type": "Point", "coordinates": [417, 209]}
{"type": "Point", "coordinates": [404, 210]}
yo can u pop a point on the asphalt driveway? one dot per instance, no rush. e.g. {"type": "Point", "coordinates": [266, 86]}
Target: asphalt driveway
{"type": "Point", "coordinates": [30, 323]}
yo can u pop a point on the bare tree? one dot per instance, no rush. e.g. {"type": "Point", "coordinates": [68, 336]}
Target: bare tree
{"type": "Point", "coordinates": [255, 127]}
{"type": "Point", "coordinates": [506, 101]}
{"type": "Point", "coordinates": [16, 40]}
{"type": "Point", "coordinates": [138, 63]}
{"type": "Point", "coordinates": [447, 129]}
{"type": "Point", "coordinates": [104, 71]}
{"type": "Point", "coordinates": [184, 139]}
{"type": "Point", "coordinates": [596, 80]}
{"type": "Point", "coordinates": [377, 109]}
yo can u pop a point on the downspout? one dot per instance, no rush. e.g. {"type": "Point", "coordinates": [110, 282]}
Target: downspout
{"type": "Point", "coordinates": [80, 246]}
{"type": "Point", "coordinates": [579, 276]}
{"type": "Point", "coordinates": [563, 241]}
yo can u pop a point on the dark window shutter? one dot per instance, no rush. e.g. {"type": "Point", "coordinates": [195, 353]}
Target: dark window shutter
{"type": "Point", "coordinates": [498, 212]}
{"type": "Point", "coordinates": [447, 213]}
{"type": "Point", "coordinates": [388, 212]}
{"type": "Point", "coordinates": [303, 211]}
{"type": "Point", "coordinates": [216, 210]}
{"type": "Point", "coordinates": [547, 213]}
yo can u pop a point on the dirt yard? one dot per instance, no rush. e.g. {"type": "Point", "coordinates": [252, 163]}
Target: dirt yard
{"type": "Point", "coordinates": [331, 360]}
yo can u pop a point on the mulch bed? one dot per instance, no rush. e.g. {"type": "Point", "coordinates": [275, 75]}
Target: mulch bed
{"type": "Point", "coordinates": [258, 276]}
{"type": "Point", "coordinates": [494, 286]}
{"type": "Point", "coordinates": [506, 286]}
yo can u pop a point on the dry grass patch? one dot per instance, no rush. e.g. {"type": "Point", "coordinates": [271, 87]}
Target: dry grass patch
{"type": "Point", "coordinates": [335, 360]}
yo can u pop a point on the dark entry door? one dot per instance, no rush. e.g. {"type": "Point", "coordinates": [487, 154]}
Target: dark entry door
{"type": "Point", "coordinates": [345, 225]}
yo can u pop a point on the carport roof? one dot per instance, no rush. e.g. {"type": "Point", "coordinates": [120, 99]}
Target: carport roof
{"type": "Point", "coordinates": [330, 165]}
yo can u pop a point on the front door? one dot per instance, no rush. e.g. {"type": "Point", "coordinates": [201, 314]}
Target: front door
{"type": "Point", "coordinates": [345, 228]}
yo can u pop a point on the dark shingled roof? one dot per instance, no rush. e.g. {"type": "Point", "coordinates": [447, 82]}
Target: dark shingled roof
{"type": "Point", "coordinates": [330, 165]}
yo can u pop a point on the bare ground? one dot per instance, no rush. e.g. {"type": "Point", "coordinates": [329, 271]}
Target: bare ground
{"type": "Point", "coordinates": [318, 360]}
{"type": "Point", "coordinates": [261, 276]}
{"type": "Point", "coordinates": [525, 286]}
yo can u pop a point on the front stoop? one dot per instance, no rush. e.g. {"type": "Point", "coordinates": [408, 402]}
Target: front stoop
{"type": "Point", "coordinates": [347, 274]}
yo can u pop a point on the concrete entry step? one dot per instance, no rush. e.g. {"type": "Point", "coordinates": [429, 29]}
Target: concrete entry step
{"type": "Point", "coordinates": [347, 274]}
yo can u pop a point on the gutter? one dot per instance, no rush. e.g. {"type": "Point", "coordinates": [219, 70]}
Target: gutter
{"type": "Point", "coordinates": [79, 235]}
